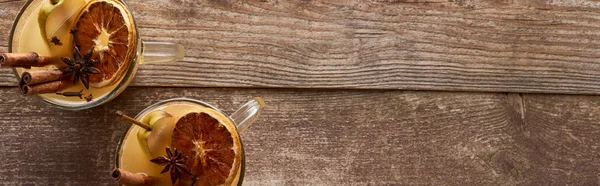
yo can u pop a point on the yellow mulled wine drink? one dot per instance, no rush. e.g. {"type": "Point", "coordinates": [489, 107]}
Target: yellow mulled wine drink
{"type": "Point", "coordinates": [77, 54]}
{"type": "Point", "coordinates": [184, 142]}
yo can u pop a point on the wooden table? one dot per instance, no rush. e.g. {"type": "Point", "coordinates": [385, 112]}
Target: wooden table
{"type": "Point", "coordinates": [383, 92]}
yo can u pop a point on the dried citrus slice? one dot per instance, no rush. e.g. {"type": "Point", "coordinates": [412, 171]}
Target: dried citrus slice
{"type": "Point", "coordinates": [212, 145]}
{"type": "Point", "coordinates": [108, 27]}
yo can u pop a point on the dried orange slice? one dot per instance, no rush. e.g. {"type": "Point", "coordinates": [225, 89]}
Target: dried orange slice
{"type": "Point", "coordinates": [212, 145]}
{"type": "Point", "coordinates": [108, 27]}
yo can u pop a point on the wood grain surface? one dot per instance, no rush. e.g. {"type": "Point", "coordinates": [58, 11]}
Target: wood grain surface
{"type": "Point", "coordinates": [542, 46]}
{"type": "Point", "coordinates": [307, 58]}
{"type": "Point", "coordinates": [331, 137]}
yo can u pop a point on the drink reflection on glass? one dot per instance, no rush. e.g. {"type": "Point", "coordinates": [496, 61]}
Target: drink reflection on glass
{"type": "Point", "coordinates": [78, 54]}
{"type": "Point", "coordinates": [184, 142]}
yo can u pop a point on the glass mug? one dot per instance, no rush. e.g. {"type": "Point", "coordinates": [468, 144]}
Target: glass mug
{"type": "Point", "coordinates": [145, 52]}
{"type": "Point", "coordinates": [241, 119]}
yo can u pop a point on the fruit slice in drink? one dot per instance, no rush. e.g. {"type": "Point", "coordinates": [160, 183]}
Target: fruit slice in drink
{"type": "Point", "coordinates": [212, 146]}
{"type": "Point", "coordinates": [206, 136]}
{"type": "Point", "coordinates": [55, 18]}
{"type": "Point", "coordinates": [107, 27]}
{"type": "Point", "coordinates": [154, 141]}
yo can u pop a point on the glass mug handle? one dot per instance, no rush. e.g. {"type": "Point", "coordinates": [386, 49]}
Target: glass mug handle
{"type": "Point", "coordinates": [247, 114]}
{"type": "Point", "coordinates": [160, 52]}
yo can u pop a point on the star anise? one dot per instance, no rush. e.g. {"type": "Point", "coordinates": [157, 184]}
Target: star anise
{"type": "Point", "coordinates": [173, 162]}
{"type": "Point", "coordinates": [81, 66]}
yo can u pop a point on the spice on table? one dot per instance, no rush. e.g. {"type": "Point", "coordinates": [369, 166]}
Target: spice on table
{"type": "Point", "coordinates": [174, 163]}
{"type": "Point", "coordinates": [72, 94]}
{"type": "Point", "coordinates": [24, 60]}
{"type": "Point", "coordinates": [133, 121]}
{"type": "Point", "coordinates": [40, 76]}
{"type": "Point", "coordinates": [124, 177]}
{"type": "Point", "coordinates": [80, 66]}
{"type": "Point", "coordinates": [89, 98]}
{"type": "Point", "coordinates": [44, 88]}
{"type": "Point", "coordinates": [43, 81]}
{"type": "Point", "coordinates": [56, 41]}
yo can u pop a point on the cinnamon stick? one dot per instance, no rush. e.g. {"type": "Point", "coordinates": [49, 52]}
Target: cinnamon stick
{"type": "Point", "coordinates": [44, 88]}
{"type": "Point", "coordinates": [40, 76]}
{"type": "Point", "coordinates": [133, 121]}
{"type": "Point", "coordinates": [25, 60]}
{"type": "Point", "coordinates": [124, 177]}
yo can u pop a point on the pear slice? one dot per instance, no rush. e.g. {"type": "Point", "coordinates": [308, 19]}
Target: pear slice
{"type": "Point", "coordinates": [154, 142]}
{"type": "Point", "coordinates": [45, 11]}
{"type": "Point", "coordinates": [56, 17]}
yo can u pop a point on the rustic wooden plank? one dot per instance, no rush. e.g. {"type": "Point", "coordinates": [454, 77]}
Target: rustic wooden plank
{"type": "Point", "coordinates": [8, 12]}
{"type": "Point", "coordinates": [332, 137]}
{"type": "Point", "coordinates": [508, 46]}
{"type": "Point", "coordinates": [560, 132]}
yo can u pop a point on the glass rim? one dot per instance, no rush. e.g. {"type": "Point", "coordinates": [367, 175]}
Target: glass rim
{"type": "Point", "coordinates": [119, 88]}
{"type": "Point", "coordinates": [184, 99]}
